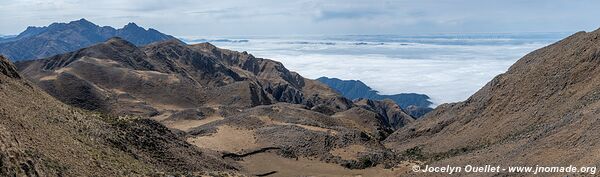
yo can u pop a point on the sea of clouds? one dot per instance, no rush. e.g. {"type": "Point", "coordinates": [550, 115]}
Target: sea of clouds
{"type": "Point", "coordinates": [447, 67]}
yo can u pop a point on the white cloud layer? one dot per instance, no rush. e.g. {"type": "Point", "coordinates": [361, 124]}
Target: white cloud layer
{"type": "Point", "coordinates": [448, 68]}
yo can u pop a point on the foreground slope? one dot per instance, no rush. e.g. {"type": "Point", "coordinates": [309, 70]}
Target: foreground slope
{"type": "Point", "coordinates": [40, 136]}
{"type": "Point", "coordinates": [543, 111]}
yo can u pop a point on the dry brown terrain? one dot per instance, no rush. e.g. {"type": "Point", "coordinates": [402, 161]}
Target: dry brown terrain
{"type": "Point", "coordinates": [227, 138]}
{"type": "Point", "coordinates": [222, 101]}
{"type": "Point", "coordinates": [543, 111]}
{"type": "Point", "coordinates": [285, 167]}
{"type": "Point", "coordinates": [40, 136]}
{"type": "Point", "coordinates": [254, 113]}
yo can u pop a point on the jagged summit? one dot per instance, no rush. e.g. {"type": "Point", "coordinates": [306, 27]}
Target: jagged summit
{"type": "Point", "coordinates": [30, 31]}
{"type": "Point", "coordinates": [57, 38]}
{"type": "Point", "coordinates": [131, 25]}
{"type": "Point", "coordinates": [134, 28]}
{"type": "Point", "coordinates": [83, 22]}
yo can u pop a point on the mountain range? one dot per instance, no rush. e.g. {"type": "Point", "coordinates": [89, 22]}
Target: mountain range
{"type": "Point", "coordinates": [221, 100]}
{"type": "Point", "coordinates": [116, 108]}
{"type": "Point", "coordinates": [415, 104]}
{"type": "Point", "coordinates": [57, 38]}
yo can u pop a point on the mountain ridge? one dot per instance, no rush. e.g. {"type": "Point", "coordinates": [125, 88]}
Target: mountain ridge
{"type": "Point", "coordinates": [206, 93]}
{"type": "Point", "coordinates": [40, 136]}
{"type": "Point", "coordinates": [56, 38]}
{"type": "Point", "coordinates": [415, 104]}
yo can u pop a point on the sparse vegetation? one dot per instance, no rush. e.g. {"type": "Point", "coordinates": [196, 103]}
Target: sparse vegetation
{"type": "Point", "coordinates": [415, 153]}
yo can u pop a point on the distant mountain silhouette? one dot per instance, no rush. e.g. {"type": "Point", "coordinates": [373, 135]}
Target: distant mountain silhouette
{"type": "Point", "coordinates": [57, 38]}
{"type": "Point", "coordinates": [415, 104]}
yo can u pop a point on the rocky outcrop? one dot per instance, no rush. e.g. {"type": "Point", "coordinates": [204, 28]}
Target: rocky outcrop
{"type": "Point", "coordinates": [154, 143]}
{"type": "Point", "coordinates": [416, 111]}
{"type": "Point", "coordinates": [8, 69]}
{"type": "Point", "coordinates": [392, 115]}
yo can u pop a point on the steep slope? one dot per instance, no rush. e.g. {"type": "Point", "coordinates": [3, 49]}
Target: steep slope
{"type": "Point", "coordinates": [542, 111]}
{"type": "Point", "coordinates": [115, 75]}
{"type": "Point", "coordinates": [57, 38]}
{"type": "Point", "coordinates": [415, 104]}
{"type": "Point", "coordinates": [392, 115]}
{"type": "Point", "coordinates": [221, 100]}
{"type": "Point", "coordinates": [40, 136]}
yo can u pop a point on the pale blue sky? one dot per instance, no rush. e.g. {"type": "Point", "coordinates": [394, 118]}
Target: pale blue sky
{"type": "Point", "coordinates": [277, 17]}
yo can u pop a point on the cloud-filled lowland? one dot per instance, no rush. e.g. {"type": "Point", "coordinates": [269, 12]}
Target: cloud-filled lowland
{"type": "Point", "coordinates": [448, 68]}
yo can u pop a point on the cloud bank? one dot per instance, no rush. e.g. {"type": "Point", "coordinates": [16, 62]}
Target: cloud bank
{"type": "Point", "coordinates": [448, 68]}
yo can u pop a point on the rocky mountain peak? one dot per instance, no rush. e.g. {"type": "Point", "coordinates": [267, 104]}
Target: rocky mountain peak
{"type": "Point", "coordinates": [7, 68]}
{"type": "Point", "coordinates": [40, 42]}
{"type": "Point", "coordinates": [30, 31]}
{"type": "Point", "coordinates": [83, 22]}
{"type": "Point", "coordinates": [132, 26]}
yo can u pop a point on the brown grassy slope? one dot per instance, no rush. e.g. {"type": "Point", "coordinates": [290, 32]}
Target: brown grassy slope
{"type": "Point", "coordinates": [543, 110]}
{"type": "Point", "coordinates": [39, 136]}
{"type": "Point", "coordinates": [168, 77]}
{"type": "Point", "coordinates": [118, 77]}
{"type": "Point", "coordinates": [297, 132]}
{"type": "Point", "coordinates": [201, 88]}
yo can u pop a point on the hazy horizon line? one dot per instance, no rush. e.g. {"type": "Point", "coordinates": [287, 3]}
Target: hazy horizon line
{"type": "Point", "coordinates": [318, 34]}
